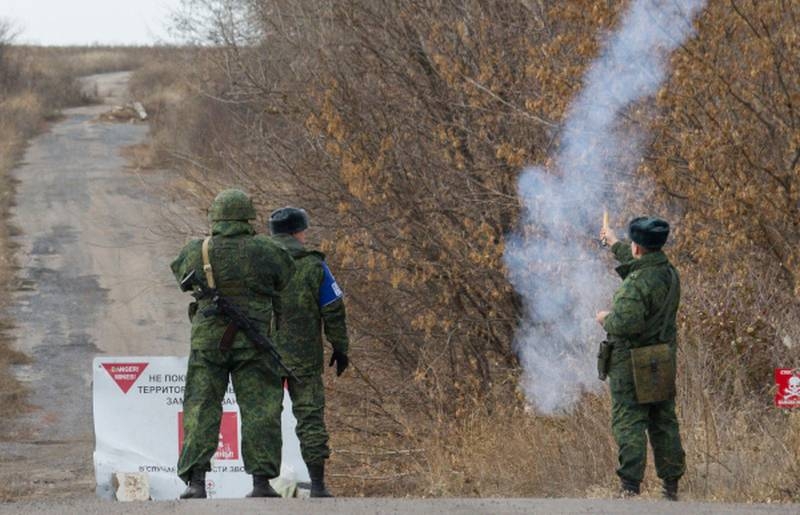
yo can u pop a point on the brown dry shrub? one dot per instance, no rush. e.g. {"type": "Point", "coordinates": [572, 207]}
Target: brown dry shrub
{"type": "Point", "coordinates": [402, 127]}
{"type": "Point", "coordinates": [736, 452]}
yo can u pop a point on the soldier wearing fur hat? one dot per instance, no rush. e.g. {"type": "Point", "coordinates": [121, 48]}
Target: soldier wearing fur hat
{"type": "Point", "coordinates": [311, 304]}
{"type": "Point", "coordinates": [640, 362]}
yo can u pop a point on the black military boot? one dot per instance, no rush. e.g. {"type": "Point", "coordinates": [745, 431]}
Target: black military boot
{"type": "Point", "coordinates": [317, 473]}
{"type": "Point", "coordinates": [262, 488]}
{"type": "Point", "coordinates": [628, 488]}
{"type": "Point", "coordinates": [197, 485]}
{"type": "Point", "coordinates": [670, 489]}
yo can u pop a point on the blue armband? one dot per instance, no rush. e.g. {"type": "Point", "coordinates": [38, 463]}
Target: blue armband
{"type": "Point", "coordinates": [329, 291]}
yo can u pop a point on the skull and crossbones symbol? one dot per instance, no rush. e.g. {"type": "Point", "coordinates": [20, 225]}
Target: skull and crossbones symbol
{"type": "Point", "coordinates": [793, 389]}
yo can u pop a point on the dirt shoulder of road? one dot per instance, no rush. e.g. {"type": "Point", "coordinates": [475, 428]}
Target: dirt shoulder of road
{"type": "Point", "coordinates": [12, 392]}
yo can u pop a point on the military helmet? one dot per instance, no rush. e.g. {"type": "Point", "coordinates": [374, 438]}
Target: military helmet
{"type": "Point", "coordinates": [232, 205]}
{"type": "Point", "coordinates": [288, 220]}
{"type": "Point", "coordinates": [648, 231]}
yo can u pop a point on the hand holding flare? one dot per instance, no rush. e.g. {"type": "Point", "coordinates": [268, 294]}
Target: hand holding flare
{"type": "Point", "coordinates": [607, 236]}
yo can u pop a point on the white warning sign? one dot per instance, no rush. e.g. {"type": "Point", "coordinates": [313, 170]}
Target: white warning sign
{"type": "Point", "coordinates": [138, 415]}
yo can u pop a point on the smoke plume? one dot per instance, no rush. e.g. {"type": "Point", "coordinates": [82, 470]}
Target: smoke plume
{"type": "Point", "coordinates": [552, 260]}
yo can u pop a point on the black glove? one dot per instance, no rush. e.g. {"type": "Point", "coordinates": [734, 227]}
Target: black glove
{"type": "Point", "coordinates": [340, 358]}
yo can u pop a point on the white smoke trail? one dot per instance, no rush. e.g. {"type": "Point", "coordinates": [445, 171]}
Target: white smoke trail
{"type": "Point", "coordinates": [562, 280]}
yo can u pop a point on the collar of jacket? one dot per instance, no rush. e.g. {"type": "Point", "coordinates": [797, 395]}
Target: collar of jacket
{"type": "Point", "coordinates": [231, 228]}
{"type": "Point", "coordinates": [646, 261]}
{"type": "Point", "coordinates": [292, 245]}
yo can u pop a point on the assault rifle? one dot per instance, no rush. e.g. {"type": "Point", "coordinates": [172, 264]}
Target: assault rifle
{"type": "Point", "coordinates": [239, 321]}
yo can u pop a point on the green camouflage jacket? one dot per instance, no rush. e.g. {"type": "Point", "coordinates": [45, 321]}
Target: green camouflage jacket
{"type": "Point", "coordinates": [311, 303]}
{"type": "Point", "coordinates": [249, 269]}
{"type": "Point", "coordinates": [631, 323]}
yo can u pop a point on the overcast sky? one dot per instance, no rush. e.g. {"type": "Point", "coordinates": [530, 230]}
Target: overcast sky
{"type": "Point", "coordinates": [83, 22]}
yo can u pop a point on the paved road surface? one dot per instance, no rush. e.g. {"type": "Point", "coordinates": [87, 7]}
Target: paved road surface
{"type": "Point", "coordinates": [94, 252]}
{"type": "Point", "coordinates": [400, 506]}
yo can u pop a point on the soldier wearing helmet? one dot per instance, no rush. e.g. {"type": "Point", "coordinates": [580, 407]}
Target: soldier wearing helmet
{"type": "Point", "coordinates": [310, 304]}
{"type": "Point", "coordinates": [642, 334]}
{"type": "Point", "coordinates": [250, 270]}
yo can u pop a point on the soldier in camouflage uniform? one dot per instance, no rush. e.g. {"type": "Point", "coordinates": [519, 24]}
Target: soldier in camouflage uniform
{"type": "Point", "coordinates": [649, 289]}
{"type": "Point", "coordinates": [250, 270]}
{"type": "Point", "coordinates": [310, 304]}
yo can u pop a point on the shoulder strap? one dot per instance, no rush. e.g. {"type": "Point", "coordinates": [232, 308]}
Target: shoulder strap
{"type": "Point", "coordinates": [207, 265]}
{"type": "Point", "coordinates": [664, 310]}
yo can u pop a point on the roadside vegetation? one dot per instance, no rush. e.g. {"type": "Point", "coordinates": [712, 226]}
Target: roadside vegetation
{"type": "Point", "coordinates": [403, 127]}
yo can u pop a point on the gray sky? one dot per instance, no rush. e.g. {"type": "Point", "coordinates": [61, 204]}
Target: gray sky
{"type": "Point", "coordinates": [82, 22]}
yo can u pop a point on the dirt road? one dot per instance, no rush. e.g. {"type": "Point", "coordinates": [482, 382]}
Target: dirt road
{"type": "Point", "coordinates": [94, 250]}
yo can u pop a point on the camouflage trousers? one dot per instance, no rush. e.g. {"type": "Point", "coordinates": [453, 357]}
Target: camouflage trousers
{"type": "Point", "coordinates": [629, 423]}
{"type": "Point", "coordinates": [308, 406]}
{"type": "Point", "coordinates": [259, 394]}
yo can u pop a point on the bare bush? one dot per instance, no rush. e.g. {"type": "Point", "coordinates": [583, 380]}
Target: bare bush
{"type": "Point", "coordinates": [403, 125]}
{"type": "Point", "coordinates": [7, 34]}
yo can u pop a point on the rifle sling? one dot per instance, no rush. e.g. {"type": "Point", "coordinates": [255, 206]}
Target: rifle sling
{"type": "Point", "coordinates": [207, 265]}
{"type": "Point", "coordinates": [226, 342]}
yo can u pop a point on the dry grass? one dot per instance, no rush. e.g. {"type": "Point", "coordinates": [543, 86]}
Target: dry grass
{"type": "Point", "coordinates": [14, 493]}
{"type": "Point", "coordinates": [522, 455]}
{"type": "Point", "coordinates": [159, 87]}
{"type": "Point", "coordinates": [735, 453]}
{"type": "Point", "coordinates": [12, 393]}
{"type": "Point", "coordinates": [20, 116]}
{"type": "Point", "coordinates": [52, 73]}
{"type": "Point", "coordinates": [78, 61]}
{"type": "Point", "coordinates": [156, 83]}
{"type": "Point", "coordinates": [89, 61]}
{"type": "Point", "coordinates": [141, 156]}
{"type": "Point", "coordinates": [737, 450]}
{"type": "Point", "coordinates": [510, 452]}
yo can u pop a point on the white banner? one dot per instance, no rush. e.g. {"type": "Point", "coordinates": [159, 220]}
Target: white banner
{"type": "Point", "coordinates": [138, 408]}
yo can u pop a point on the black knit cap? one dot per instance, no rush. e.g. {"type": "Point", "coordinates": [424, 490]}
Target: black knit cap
{"type": "Point", "coordinates": [648, 231]}
{"type": "Point", "coordinates": [288, 220]}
